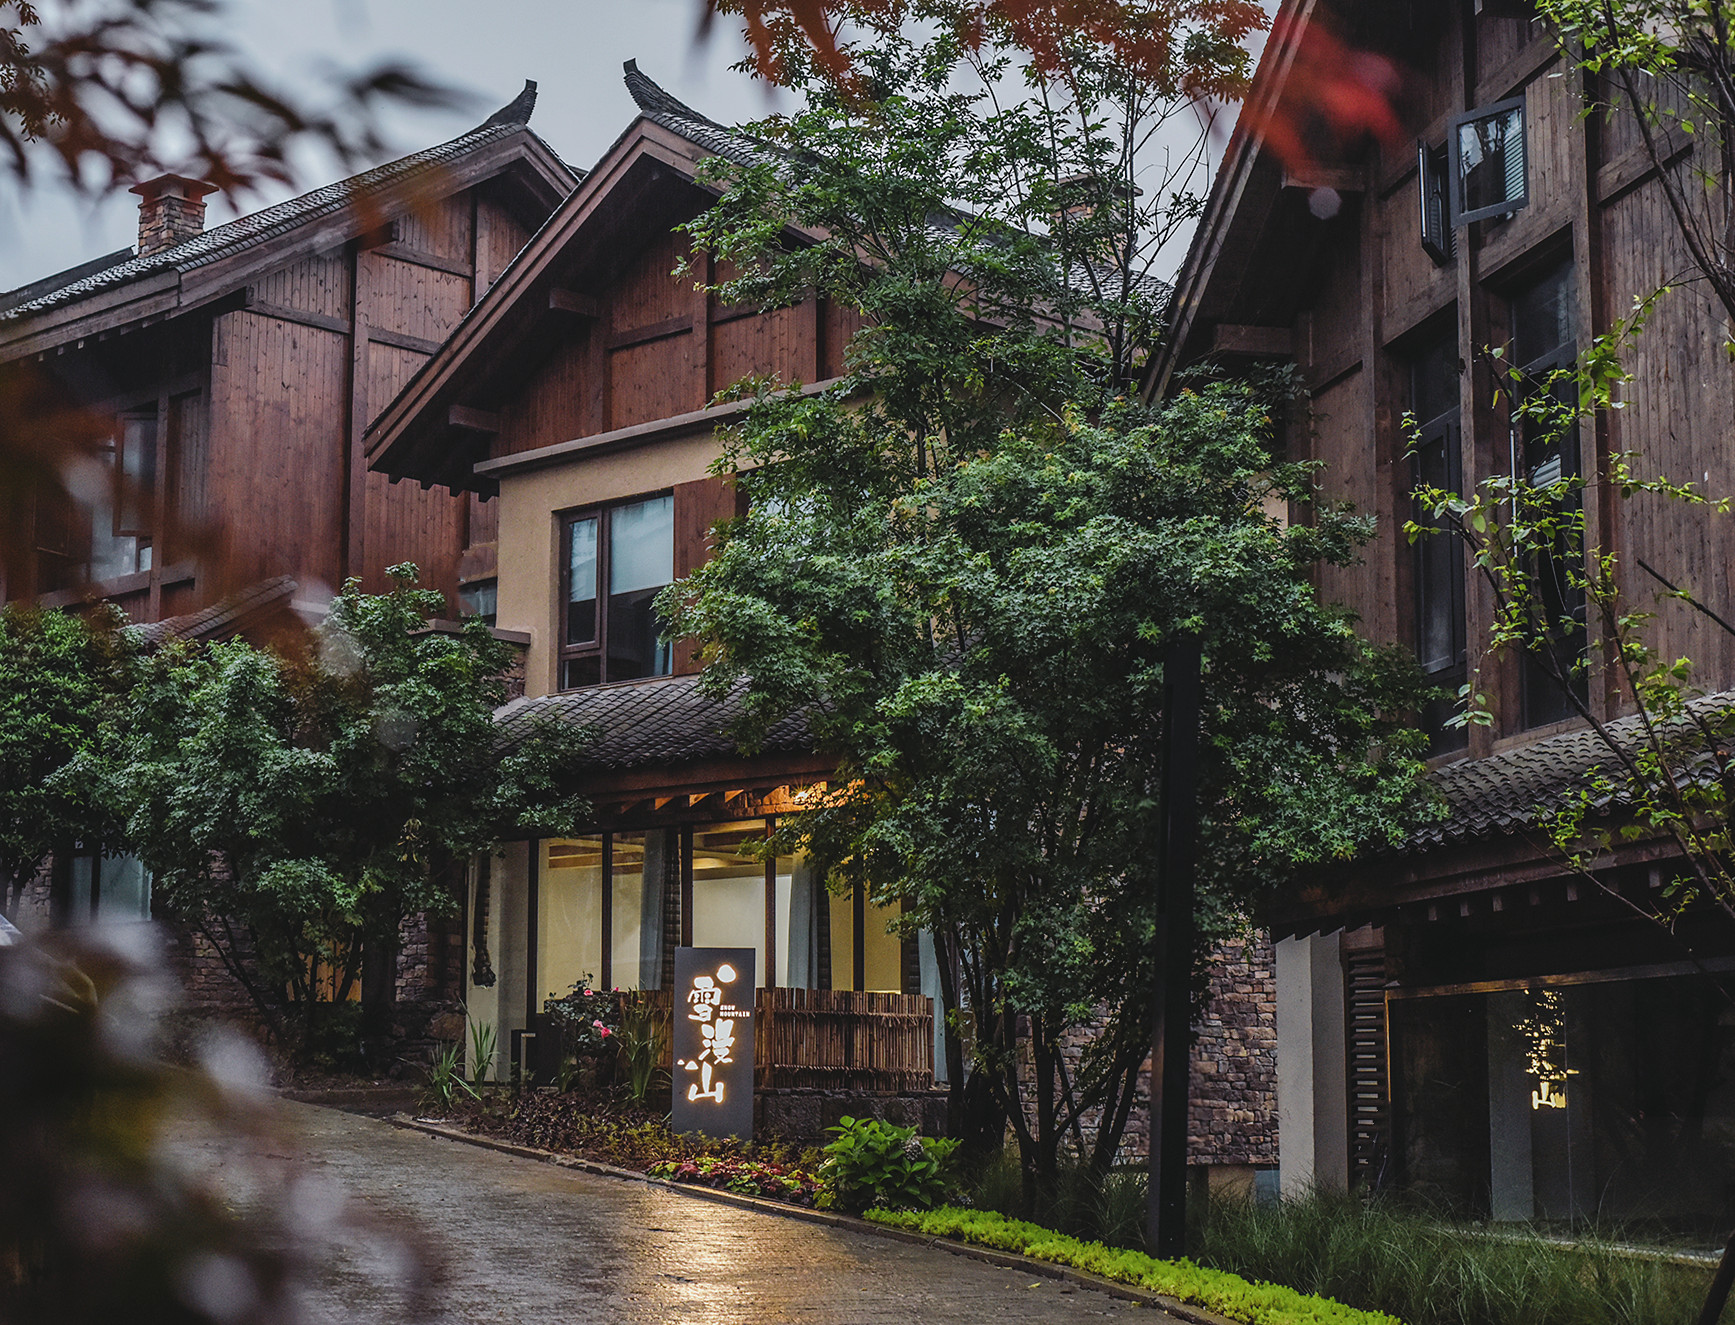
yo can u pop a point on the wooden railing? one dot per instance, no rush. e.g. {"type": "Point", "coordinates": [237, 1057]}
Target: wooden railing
{"type": "Point", "coordinates": [837, 1039]}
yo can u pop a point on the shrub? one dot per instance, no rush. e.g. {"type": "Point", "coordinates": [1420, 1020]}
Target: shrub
{"type": "Point", "coordinates": [780, 1182]}
{"type": "Point", "coordinates": [587, 1021]}
{"type": "Point", "coordinates": [1216, 1290]}
{"type": "Point", "coordinates": [874, 1163]}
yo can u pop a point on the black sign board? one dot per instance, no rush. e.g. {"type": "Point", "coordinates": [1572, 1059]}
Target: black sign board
{"type": "Point", "coordinates": [713, 1072]}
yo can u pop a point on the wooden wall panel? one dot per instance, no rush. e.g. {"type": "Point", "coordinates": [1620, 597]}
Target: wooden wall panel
{"type": "Point", "coordinates": [318, 284]}
{"type": "Point", "coordinates": [1679, 417]}
{"type": "Point", "coordinates": [499, 236]}
{"type": "Point", "coordinates": [1415, 286]}
{"type": "Point", "coordinates": [388, 369]}
{"type": "Point", "coordinates": [552, 406]}
{"type": "Point", "coordinates": [406, 522]}
{"type": "Point", "coordinates": [647, 292]}
{"type": "Point", "coordinates": [278, 453]}
{"type": "Point", "coordinates": [1357, 470]}
{"type": "Point", "coordinates": [439, 226]}
{"type": "Point", "coordinates": [651, 381]}
{"type": "Point", "coordinates": [412, 300]}
{"type": "Point", "coordinates": [698, 506]}
{"type": "Point", "coordinates": [1330, 343]}
{"type": "Point", "coordinates": [778, 344]}
{"type": "Point", "coordinates": [841, 324]}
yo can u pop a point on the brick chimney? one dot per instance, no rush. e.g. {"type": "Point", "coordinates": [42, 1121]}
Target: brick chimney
{"type": "Point", "coordinates": [171, 208]}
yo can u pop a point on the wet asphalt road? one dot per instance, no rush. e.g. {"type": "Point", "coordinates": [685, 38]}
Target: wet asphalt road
{"type": "Point", "coordinates": [528, 1242]}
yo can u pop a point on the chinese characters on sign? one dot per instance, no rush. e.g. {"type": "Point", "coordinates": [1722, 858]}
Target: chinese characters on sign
{"type": "Point", "coordinates": [713, 1041]}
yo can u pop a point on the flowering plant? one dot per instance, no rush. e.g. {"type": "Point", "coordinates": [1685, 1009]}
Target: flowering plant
{"type": "Point", "coordinates": [750, 1177]}
{"type": "Point", "coordinates": [587, 1021]}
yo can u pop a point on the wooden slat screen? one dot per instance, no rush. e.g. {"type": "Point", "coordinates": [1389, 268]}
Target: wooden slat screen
{"type": "Point", "coordinates": [837, 1039]}
{"type": "Point", "coordinates": [1367, 1059]}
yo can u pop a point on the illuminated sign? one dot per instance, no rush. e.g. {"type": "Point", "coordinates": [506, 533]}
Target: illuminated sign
{"type": "Point", "coordinates": [713, 1041]}
{"type": "Point", "coordinates": [1544, 1032]}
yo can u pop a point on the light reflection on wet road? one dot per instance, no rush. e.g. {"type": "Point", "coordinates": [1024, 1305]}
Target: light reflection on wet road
{"type": "Point", "coordinates": [529, 1242]}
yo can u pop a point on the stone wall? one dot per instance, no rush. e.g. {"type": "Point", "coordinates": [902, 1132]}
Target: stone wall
{"type": "Point", "coordinates": [1233, 1115]}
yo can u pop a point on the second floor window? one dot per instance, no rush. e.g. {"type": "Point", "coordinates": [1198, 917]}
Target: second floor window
{"type": "Point", "coordinates": [123, 519]}
{"type": "Point", "coordinates": [614, 562]}
{"type": "Point", "coordinates": [1544, 314]}
{"type": "Point", "coordinates": [1438, 559]}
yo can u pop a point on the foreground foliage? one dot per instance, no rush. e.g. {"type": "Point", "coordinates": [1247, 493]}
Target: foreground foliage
{"type": "Point", "coordinates": [104, 1215]}
{"type": "Point", "coordinates": [1216, 1290]}
{"type": "Point", "coordinates": [1381, 1256]}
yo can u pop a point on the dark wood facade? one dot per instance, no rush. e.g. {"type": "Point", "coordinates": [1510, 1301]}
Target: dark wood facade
{"type": "Point", "coordinates": [1478, 934]}
{"type": "Point", "coordinates": [249, 360]}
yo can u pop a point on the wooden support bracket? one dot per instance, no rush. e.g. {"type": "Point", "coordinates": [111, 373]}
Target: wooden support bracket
{"type": "Point", "coordinates": [473, 420]}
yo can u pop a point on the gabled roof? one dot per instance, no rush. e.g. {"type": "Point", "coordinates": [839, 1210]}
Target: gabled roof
{"type": "Point", "coordinates": [653, 165]}
{"type": "Point", "coordinates": [505, 129]}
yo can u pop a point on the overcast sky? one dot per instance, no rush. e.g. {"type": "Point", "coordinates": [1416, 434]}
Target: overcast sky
{"type": "Point", "coordinates": [572, 48]}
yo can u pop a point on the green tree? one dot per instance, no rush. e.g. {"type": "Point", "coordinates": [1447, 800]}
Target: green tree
{"type": "Point", "coordinates": [1670, 66]}
{"type": "Point", "coordinates": [60, 676]}
{"type": "Point", "coordinates": [295, 807]}
{"type": "Point", "coordinates": [964, 563]}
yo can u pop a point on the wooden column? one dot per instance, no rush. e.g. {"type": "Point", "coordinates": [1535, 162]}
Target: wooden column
{"type": "Point", "coordinates": [354, 504]}
{"type": "Point", "coordinates": [686, 840]}
{"type": "Point", "coordinates": [858, 932]}
{"type": "Point", "coordinates": [605, 967]}
{"type": "Point", "coordinates": [770, 911]}
{"type": "Point", "coordinates": [702, 331]}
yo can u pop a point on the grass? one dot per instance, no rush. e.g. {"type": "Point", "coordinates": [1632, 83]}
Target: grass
{"type": "Point", "coordinates": [1379, 1256]}
{"type": "Point", "coordinates": [1216, 1290]}
{"type": "Point", "coordinates": [1428, 1272]}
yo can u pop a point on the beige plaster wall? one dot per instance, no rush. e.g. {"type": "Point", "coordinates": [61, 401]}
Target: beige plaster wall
{"type": "Point", "coordinates": [530, 506]}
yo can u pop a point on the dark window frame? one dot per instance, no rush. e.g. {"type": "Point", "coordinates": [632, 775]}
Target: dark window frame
{"type": "Point", "coordinates": [597, 646]}
{"type": "Point", "coordinates": [1506, 206]}
{"type": "Point", "coordinates": [1534, 373]}
{"type": "Point", "coordinates": [1443, 430]}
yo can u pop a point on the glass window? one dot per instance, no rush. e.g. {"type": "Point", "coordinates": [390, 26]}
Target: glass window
{"type": "Point", "coordinates": [729, 889]}
{"type": "Point", "coordinates": [569, 921]}
{"type": "Point", "coordinates": [631, 548]}
{"type": "Point", "coordinates": [1438, 559]}
{"type": "Point", "coordinates": [1544, 316]}
{"type": "Point", "coordinates": [1489, 169]}
{"type": "Point", "coordinates": [121, 513]}
{"type": "Point", "coordinates": [107, 889]}
{"type": "Point", "coordinates": [480, 598]}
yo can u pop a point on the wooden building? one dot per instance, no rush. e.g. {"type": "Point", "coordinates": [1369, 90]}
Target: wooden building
{"type": "Point", "coordinates": [577, 398]}
{"type": "Point", "coordinates": [241, 365]}
{"type": "Point", "coordinates": [1464, 1017]}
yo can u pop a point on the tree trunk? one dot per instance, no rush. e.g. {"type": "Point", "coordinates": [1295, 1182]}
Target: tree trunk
{"type": "Point", "coordinates": [379, 980]}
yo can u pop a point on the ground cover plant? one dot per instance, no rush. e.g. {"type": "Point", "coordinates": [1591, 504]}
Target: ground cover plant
{"type": "Point", "coordinates": [1426, 1271]}
{"type": "Point", "coordinates": [1217, 1290]}
{"type": "Point", "coordinates": [606, 1126]}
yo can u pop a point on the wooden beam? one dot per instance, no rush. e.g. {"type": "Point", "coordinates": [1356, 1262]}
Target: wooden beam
{"type": "Point", "coordinates": [1342, 179]}
{"type": "Point", "coordinates": [473, 420]}
{"type": "Point", "coordinates": [1265, 342]}
{"type": "Point", "coordinates": [421, 257]}
{"type": "Point", "coordinates": [575, 303]}
{"type": "Point", "coordinates": [399, 341]}
{"type": "Point", "coordinates": [669, 326]}
{"type": "Point", "coordinates": [299, 316]}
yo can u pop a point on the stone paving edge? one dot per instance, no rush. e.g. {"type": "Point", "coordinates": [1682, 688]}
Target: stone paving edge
{"type": "Point", "coordinates": [1184, 1311]}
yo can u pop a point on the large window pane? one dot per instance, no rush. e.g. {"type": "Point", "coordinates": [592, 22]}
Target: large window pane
{"type": "Point", "coordinates": [641, 562]}
{"type": "Point", "coordinates": [636, 917]}
{"type": "Point", "coordinates": [729, 889]}
{"type": "Point", "coordinates": [581, 581]}
{"type": "Point", "coordinates": [569, 902]}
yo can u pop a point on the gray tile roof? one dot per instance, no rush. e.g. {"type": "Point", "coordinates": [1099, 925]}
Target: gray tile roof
{"type": "Point", "coordinates": [667, 720]}
{"type": "Point", "coordinates": [220, 619]}
{"type": "Point", "coordinates": [262, 226]}
{"type": "Point", "coordinates": [1506, 792]}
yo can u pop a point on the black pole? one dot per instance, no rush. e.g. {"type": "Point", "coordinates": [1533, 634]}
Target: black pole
{"type": "Point", "coordinates": [1171, 1023]}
